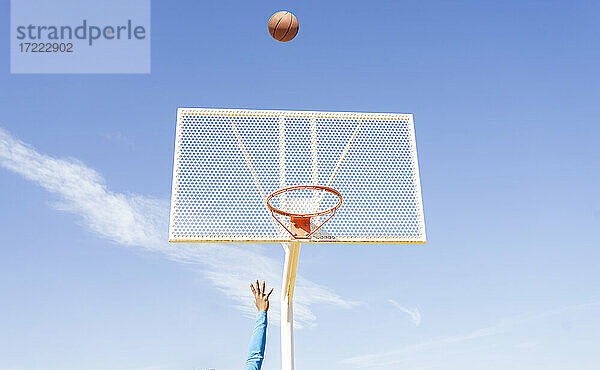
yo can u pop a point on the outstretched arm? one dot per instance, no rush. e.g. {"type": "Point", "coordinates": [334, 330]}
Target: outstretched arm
{"type": "Point", "coordinates": [256, 349]}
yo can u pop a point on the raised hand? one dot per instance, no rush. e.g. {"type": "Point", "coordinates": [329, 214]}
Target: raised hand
{"type": "Point", "coordinates": [261, 298]}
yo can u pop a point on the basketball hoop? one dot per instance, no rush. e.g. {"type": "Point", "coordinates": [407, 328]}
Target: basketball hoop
{"type": "Point", "coordinates": [300, 227]}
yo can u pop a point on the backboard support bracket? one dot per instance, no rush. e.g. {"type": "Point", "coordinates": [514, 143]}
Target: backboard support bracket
{"type": "Point", "coordinates": [300, 227]}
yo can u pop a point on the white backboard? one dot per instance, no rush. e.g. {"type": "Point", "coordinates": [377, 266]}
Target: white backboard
{"type": "Point", "coordinates": [227, 161]}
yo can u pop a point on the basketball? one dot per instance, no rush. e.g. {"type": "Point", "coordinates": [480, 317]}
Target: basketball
{"type": "Point", "coordinates": [283, 26]}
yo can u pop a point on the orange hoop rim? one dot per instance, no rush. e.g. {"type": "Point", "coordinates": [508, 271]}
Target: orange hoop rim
{"type": "Point", "coordinates": [300, 187]}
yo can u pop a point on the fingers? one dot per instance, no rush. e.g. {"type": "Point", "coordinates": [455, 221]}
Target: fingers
{"type": "Point", "coordinates": [260, 292]}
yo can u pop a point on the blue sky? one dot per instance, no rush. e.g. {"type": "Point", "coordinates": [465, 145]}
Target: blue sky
{"type": "Point", "coordinates": [505, 102]}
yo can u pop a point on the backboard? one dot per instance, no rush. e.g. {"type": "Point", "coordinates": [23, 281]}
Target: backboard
{"type": "Point", "coordinates": [228, 161]}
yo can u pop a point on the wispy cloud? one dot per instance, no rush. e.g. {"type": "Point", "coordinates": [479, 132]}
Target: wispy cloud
{"type": "Point", "coordinates": [414, 313]}
{"type": "Point", "coordinates": [397, 357]}
{"type": "Point", "coordinates": [137, 221]}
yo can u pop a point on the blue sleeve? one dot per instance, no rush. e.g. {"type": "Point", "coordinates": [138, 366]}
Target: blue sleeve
{"type": "Point", "coordinates": [256, 349]}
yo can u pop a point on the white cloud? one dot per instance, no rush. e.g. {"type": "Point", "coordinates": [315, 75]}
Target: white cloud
{"type": "Point", "coordinates": [414, 313]}
{"type": "Point", "coordinates": [398, 357]}
{"type": "Point", "coordinates": [142, 222]}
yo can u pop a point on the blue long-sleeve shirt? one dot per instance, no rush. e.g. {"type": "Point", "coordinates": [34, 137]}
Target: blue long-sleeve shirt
{"type": "Point", "coordinates": [256, 349]}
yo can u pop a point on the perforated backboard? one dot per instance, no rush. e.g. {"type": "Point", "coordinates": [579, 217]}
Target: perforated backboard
{"type": "Point", "coordinates": [227, 161]}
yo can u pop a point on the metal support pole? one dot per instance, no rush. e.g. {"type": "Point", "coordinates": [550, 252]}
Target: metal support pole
{"type": "Point", "coordinates": [292, 250]}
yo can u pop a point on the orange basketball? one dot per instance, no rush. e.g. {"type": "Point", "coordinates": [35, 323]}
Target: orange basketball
{"type": "Point", "coordinates": [283, 26]}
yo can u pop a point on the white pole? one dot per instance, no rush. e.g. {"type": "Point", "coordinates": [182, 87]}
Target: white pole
{"type": "Point", "coordinates": [287, 340]}
{"type": "Point", "coordinates": [292, 251]}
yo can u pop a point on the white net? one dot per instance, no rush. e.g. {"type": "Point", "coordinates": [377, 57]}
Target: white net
{"type": "Point", "coordinates": [303, 201]}
{"type": "Point", "coordinates": [228, 161]}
